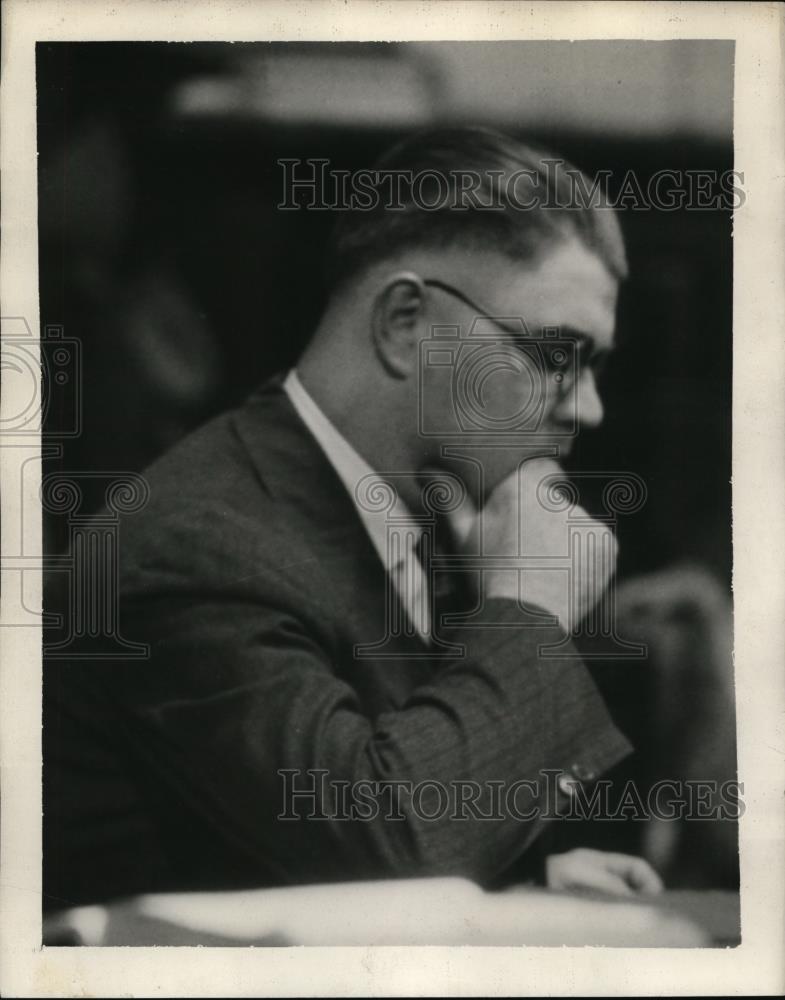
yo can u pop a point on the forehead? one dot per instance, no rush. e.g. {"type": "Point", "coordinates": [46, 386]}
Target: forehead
{"type": "Point", "coordinates": [570, 287]}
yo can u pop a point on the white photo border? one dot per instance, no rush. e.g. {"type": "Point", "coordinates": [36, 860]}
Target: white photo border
{"type": "Point", "coordinates": [756, 966]}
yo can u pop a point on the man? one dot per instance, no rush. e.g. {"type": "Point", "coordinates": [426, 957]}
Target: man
{"type": "Point", "coordinates": [321, 673]}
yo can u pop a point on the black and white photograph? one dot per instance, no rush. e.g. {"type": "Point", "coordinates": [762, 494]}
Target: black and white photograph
{"type": "Point", "coordinates": [376, 433]}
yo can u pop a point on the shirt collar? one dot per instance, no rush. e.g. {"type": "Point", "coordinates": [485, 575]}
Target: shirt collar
{"type": "Point", "coordinates": [351, 468]}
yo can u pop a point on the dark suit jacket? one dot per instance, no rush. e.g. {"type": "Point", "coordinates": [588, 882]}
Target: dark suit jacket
{"type": "Point", "coordinates": [252, 578]}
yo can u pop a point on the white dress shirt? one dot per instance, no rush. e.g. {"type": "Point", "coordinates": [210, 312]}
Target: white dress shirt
{"type": "Point", "coordinates": [395, 540]}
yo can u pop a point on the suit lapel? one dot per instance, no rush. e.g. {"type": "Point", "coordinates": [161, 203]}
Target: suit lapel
{"type": "Point", "coordinates": [299, 476]}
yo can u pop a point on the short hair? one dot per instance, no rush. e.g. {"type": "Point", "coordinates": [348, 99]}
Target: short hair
{"type": "Point", "coordinates": [537, 199]}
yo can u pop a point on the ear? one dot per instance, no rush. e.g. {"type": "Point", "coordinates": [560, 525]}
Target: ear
{"type": "Point", "coordinates": [398, 323]}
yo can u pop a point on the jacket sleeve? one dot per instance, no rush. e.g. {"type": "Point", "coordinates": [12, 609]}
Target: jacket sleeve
{"type": "Point", "coordinates": [241, 716]}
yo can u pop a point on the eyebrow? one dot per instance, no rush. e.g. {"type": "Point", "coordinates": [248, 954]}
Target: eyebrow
{"type": "Point", "coordinates": [583, 338]}
{"type": "Point", "coordinates": [566, 332]}
{"type": "Point", "coordinates": [571, 332]}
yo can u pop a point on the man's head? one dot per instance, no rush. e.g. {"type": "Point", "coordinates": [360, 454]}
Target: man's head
{"type": "Point", "coordinates": [469, 225]}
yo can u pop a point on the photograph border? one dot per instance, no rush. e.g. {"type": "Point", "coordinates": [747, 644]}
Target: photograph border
{"type": "Point", "coordinates": [754, 967]}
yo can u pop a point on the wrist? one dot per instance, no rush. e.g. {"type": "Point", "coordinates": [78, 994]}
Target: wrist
{"type": "Point", "coordinates": [507, 584]}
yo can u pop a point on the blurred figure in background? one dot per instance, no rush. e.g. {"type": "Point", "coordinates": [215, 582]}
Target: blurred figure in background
{"type": "Point", "coordinates": [685, 619]}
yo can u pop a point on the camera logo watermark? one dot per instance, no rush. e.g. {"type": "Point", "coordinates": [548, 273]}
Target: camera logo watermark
{"type": "Point", "coordinates": [42, 377]}
{"type": "Point", "coordinates": [41, 409]}
{"type": "Point", "coordinates": [542, 364]}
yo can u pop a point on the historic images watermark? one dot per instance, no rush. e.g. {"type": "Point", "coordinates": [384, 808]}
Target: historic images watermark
{"type": "Point", "coordinates": [313, 185]}
{"type": "Point", "coordinates": [42, 408]}
{"type": "Point", "coordinates": [312, 794]}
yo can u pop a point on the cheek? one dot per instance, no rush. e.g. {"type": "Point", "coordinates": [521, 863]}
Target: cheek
{"type": "Point", "coordinates": [522, 400]}
{"type": "Point", "coordinates": [509, 395]}
{"type": "Point", "coordinates": [503, 392]}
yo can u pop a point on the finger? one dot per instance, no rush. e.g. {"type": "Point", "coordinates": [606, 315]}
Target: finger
{"type": "Point", "coordinates": [600, 880]}
{"type": "Point", "coordinates": [463, 520]}
{"type": "Point", "coordinates": [645, 879]}
{"type": "Point", "coordinates": [637, 872]}
{"type": "Point", "coordinates": [534, 471]}
{"type": "Point", "coordinates": [584, 868]}
{"type": "Point", "coordinates": [541, 465]}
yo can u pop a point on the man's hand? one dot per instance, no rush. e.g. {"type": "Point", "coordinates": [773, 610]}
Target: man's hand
{"type": "Point", "coordinates": [514, 522]}
{"type": "Point", "coordinates": [615, 874]}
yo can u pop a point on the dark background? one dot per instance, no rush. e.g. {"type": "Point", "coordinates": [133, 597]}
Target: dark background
{"type": "Point", "coordinates": [163, 253]}
{"type": "Point", "coordinates": [161, 249]}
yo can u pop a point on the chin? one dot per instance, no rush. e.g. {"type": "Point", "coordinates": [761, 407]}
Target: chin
{"type": "Point", "coordinates": [499, 462]}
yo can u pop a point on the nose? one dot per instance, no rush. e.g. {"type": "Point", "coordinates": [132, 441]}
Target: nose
{"type": "Point", "coordinates": [582, 403]}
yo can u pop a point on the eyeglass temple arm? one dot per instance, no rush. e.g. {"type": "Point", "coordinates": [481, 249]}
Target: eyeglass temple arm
{"type": "Point", "coordinates": [435, 283]}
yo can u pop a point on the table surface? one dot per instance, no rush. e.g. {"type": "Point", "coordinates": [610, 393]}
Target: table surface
{"type": "Point", "coordinates": [717, 911]}
{"type": "Point", "coordinates": [442, 911]}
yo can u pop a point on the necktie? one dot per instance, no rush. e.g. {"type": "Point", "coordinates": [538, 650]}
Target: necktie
{"type": "Point", "coordinates": [445, 588]}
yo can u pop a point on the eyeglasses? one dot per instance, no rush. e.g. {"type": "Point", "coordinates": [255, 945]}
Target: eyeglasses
{"type": "Point", "coordinates": [566, 366]}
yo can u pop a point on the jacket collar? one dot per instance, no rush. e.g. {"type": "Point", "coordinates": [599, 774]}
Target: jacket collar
{"type": "Point", "coordinates": [294, 471]}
